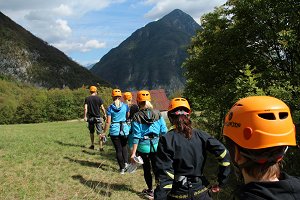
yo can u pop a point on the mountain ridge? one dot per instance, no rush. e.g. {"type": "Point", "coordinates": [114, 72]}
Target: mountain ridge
{"type": "Point", "coordinates": [152, 56]}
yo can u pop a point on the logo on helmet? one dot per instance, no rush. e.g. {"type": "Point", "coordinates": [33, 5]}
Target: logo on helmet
{"type": "Point", "coordinates": [230, 116]}
{"type": "Point", "coordinates": [232, 124]}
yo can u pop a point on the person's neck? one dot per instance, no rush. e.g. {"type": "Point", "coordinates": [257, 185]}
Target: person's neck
{"type": "Point", "coordinates": [248, 178]}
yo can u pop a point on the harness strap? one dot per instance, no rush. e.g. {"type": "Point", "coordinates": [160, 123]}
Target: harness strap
{"type": "Point", "coordinates": [121, 127]}
{"type": "Point", "coordinates": [150, 137]}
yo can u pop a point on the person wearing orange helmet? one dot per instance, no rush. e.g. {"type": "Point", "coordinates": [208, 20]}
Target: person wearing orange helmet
{"type": "Point", "coordinates": [181, 156]}
{"type": "Point", "coordinates": [133, 108]}
{"type": "Point", "coordinates": [92, 115]}
{"type": "Point", "coordinates": [147, 126]}
{"type": "Point", "coordinates": [117, 114]}
{"type": "Point", "coordinates": [258, 131]}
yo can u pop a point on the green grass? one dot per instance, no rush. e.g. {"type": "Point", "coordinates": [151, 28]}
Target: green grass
{"type": "Point", "coordinates": [52, 161]}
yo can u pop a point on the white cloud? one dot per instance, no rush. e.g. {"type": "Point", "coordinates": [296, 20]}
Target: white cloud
{"type": "Point", "coordinates": [62, 27]}
{"type": "Point", "coordinates": [76, 46]}
{"type": "Point", "coordinates": [63, 10]}
{"type": "Point", "coordinates": [195, 8]}
{"type": "Point", "coordinates": [51, 30]}
{"type": "Point", "coordinates": [94, 44]}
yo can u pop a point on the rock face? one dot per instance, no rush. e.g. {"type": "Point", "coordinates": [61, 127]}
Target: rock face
{"type": "Point", "coordinates": [29, 59]}
{"type": "Point", "coordinates": [152, 56]}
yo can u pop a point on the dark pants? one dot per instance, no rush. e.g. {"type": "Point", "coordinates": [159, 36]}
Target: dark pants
{"type": "Point", "coordinates": [149, 163]}
{"type": "Point", "coordinates": [120, 144]}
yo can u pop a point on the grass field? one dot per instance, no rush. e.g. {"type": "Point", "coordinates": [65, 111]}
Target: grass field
{"type": "Point", "coordinates": [52, 161]}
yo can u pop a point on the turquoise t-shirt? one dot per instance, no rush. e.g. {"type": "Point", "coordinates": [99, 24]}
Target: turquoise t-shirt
{"type": "Point", "coordinates": [118, 119]}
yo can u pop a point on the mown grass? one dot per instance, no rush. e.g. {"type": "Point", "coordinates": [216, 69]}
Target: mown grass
{"type": "Point", "coordinates": [52, 161]}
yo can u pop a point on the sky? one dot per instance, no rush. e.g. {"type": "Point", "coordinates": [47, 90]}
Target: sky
{"type": "Point", "coordinates": [85, 30]}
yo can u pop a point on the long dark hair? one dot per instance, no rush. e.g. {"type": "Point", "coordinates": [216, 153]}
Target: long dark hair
{"type": "Point", "coordinates": [183, 124]}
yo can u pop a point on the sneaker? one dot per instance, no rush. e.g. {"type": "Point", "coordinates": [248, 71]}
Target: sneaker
{"type": "Point", "coordinates": [148, 193]}
{"type": "Point", "coordinates": [122, 171]}
{"type": "Point", "coordinates": [126, 166]}
{"type": "Point", "coordinates": [91, 147]}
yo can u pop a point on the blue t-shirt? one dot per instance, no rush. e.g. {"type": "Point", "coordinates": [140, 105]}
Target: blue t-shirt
{"type": "Point", "coordinates": [118, 125]}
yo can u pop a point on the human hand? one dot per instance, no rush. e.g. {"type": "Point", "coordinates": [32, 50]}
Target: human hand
{"type": "Point", "coordinates": [215, 188]}
{"type": "Point", "coordinates": [132, 158]}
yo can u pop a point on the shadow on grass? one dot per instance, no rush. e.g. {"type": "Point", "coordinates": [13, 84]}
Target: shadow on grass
{"type": "Point", "coordinates": [69, 144]}
{"type": "Point", "coordinates": [103, 188]}
{"type": "Point", "coordinates": [102, 166]}
{"type": "Point", "coordinates": [90, 153]}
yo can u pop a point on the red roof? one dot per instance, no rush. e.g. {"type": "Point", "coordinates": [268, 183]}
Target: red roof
{"type": "Point", "coordinates": [159, 99]}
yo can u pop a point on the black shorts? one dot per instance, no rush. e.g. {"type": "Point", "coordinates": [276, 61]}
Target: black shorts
{"type": "Point", "coordinates": [95, 122]}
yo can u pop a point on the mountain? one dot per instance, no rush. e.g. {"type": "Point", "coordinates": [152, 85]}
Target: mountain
{"type": "Point", "coordinates": [152, 56]}
{"type": "Point", "coordinates": [29, 59]}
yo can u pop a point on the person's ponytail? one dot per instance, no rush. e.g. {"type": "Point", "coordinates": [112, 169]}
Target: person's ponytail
{"type": "Point", "coordinates": [182, 124]}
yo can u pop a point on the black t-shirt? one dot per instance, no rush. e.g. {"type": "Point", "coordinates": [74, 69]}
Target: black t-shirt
{"type": "Point", "coordinates": [288, 187]}
{"type": "Point", "coordinates": [93, 105]}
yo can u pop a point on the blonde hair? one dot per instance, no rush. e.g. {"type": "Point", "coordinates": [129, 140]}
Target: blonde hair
{"type": "Point", "coordinates": [128, 102]}
{"type": "Point", "coordinates": [117, 102]}
{"type": "Point", "coordinates": [145, 105]}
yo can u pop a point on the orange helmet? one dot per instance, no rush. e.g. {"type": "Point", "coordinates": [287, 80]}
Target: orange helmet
{"type": "Point", "coordinates": [143, 95]}
{"type": "Point", "coordinates": [260, 122]}
{"type": "Point", "coordinates": [116, 93]}
{"type": "Point", "coordinates": [127, 96]}
{"type": "Point", "coordinates": [179, 102]}
{"type": "Point", "coordinates": [93, 89]}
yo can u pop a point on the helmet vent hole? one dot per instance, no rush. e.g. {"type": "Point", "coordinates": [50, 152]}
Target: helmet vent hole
{"type": "Point", "coordinates": [239, 104]}
{"type": "Point", "coordinates": [268, 116]}
{"type": "Point", "coordinates": [283, 115]}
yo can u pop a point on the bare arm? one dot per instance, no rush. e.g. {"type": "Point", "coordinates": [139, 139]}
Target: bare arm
{"type": "Point", "coordinates": [104, 111]}
{"type": "Point", "coordinates": [85, 112]}
{"type": "Point", "coordinates": [107, 124]}
{"type": "Point", "coordinates": [133, 152]}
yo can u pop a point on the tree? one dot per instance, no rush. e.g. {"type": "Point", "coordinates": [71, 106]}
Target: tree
{"type": "Point", "coordinates": [261, 34]}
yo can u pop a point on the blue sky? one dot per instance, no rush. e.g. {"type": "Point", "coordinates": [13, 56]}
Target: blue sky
{"type": "Point", "coordinates": [85, 30]}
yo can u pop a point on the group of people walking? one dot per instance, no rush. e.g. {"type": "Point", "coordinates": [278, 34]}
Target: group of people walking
{"type": "Point", "coordinates": [257, 132]}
